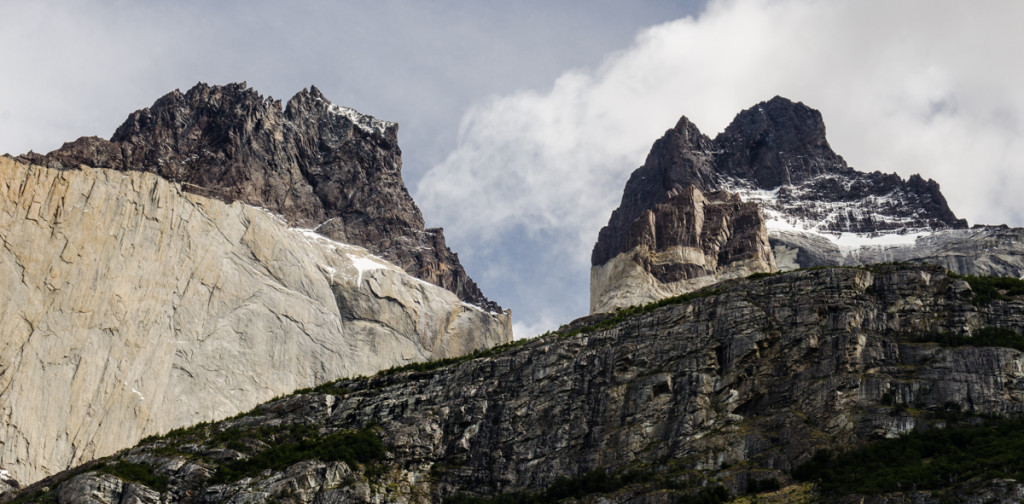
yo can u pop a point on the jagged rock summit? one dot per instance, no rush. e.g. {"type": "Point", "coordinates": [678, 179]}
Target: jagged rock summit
{"type": "Point", "coordinates": [133, 301]}
{"type": "Point", "coordinates": [815, 209]}
{"type": "Point", "coordinates": [319, 165]}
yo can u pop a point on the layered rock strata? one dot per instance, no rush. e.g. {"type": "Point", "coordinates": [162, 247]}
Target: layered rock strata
{"type": "Point", "coordinates": [129, 306]}
{"type": "Point", "coordinates": [745, 381]}
{"type": "Point", "coordinates": [319, 165]}
{"type": "Point", "coordinates": [689, 241]}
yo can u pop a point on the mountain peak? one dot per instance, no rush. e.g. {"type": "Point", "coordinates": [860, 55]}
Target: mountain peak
{"type": "Point", "coordinates": [777, 142]}
{"type": "Point", "coordinates": [317, 164]}
{"type": "Point", "coordinates": [776, 154]}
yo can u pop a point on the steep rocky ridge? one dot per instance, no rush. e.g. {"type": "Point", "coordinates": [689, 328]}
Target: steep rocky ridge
{"type": "Point", "coordinates": [689, 241]}
{"type": "Point", "coordinates": [817, 210]}
{"type": "Point", "coordinates": [744, 380]}
{"type": "Point", "coordinates": [320, 165]}
{"type": "Point", "coordinates": [129, 307]}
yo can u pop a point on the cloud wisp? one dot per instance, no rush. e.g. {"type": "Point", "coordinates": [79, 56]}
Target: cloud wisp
{"type": "Point", "coordinates": [910, 87]}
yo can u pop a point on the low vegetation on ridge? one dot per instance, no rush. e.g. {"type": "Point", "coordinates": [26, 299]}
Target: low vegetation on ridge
{"type": "Point", "coordinates": [989, 288]}
{"type": "Point", "coordinates": [933, 459]}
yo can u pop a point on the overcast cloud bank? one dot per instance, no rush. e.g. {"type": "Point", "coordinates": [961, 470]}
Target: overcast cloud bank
{"type": "Point", "coordinates": [908, 87]}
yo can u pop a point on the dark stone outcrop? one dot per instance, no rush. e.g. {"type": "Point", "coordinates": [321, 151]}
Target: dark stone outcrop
{"type": "Point", "coordinates": [317, 164]}
{"type": "Point", "coordinates": [718, 223]}
{"type": "Point", "coordinates": [681, 158]}
{"type": "Point", "coordinates": [690, 240]}
{"type": "Point", "coordinates": [781, 145]}
{"type": "Point", "coordinates": [777, 143]}
{"type": "Point", "coordinates": [747, 381]}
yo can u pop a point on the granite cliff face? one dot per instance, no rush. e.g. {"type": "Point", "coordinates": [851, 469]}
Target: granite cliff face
{"type": "Point", "coordinates": [816, 209]}
{"type": "Point", "coordinates": [689, 241]}
{"type": "Point", "coordinates": [129, 306]}
{"type": "Point", "coordinates": [319, 165]}
{"type": "Point", "coordinates": [733, 384]}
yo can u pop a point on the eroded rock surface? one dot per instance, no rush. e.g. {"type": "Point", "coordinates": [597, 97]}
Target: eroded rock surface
{"type": "Point", "coordinates": [318, 164]}
{"type": "Point", "coordinates": [744, 382]}
{"type": "Point", "coordinates": [129, 307]}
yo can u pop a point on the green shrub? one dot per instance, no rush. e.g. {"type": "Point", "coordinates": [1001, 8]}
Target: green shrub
{"type": "Point", "coordinates": [989, 288]}
{"type": "Point", "coordinates": [983, 337]}
{"type": "Point", "coordinates": [762, 485]}
{"type": "Point", "coordinates": [300, 443]}
{"type": "Point", "coordinates": [925, 460]}
{"type": "Point", "coordinates": [707, 495]}
{"type": "Point", "coordinates": [625, 313]}
{"type": "Point", "coordinates": [440, 363]}
{"type": "Point", "coordinates": [139, 473]}
{"type": "Point", "coordinates": [594, 482]}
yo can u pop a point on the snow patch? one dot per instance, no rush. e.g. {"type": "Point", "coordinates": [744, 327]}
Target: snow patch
{"type": "Point", "coordinates": [472, 306]}
{"type": "Point", "coordinates": [853, 241]}
{"type": "Point", "coordinates": [364, 122]}
{"type": "Point", "coordinates": [276, 216]}
{"type": "Point", "coordinates": [329, 270]}
{"type": "Point", "coordinates": [360, 258]}
{"type": "Point", "coordinates": [782, 208]}
{"type": "Point", "coordinates": [135, 391]}
{"type": "Point", "coordinates": [5, 475]}
{"type": "Point", "coordinates": [364, 264]}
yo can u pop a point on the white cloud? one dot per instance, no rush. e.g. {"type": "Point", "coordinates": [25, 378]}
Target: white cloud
{"type": "Point", "coordinates": [929, 87]}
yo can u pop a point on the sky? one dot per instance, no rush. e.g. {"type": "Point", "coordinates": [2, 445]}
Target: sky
{"type": "Point", "coordinates": [520, 122]}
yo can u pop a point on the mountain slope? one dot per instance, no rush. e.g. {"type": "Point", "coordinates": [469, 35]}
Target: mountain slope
{"type": "Point", "coordinates": [318, 164]}
{"type": "Point", "coordinates": [734, 384]}
{"type": "Point", "coordinates": [129, 307]}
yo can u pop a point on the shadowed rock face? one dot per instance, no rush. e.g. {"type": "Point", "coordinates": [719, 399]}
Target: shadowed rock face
{"type": "Point", "coordinates": [317, 164]}
{"type": "Point", "coordinates": [776, 145]}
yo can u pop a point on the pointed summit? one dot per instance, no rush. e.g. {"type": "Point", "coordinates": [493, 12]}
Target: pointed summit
{"type": "Point", "coordinates": [777, 142]}
{"type": "Point", "coordinates": [681, 158]}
